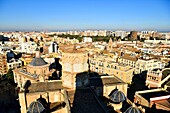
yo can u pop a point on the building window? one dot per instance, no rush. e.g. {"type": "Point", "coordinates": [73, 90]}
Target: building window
{"type": "Point", "coordinates": [77, 67]}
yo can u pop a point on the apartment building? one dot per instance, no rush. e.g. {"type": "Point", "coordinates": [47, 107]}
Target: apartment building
{"type": "Point", "coordinates": [107, 64]}
{"type": "Point", "coordinates": [122, 71]}
{"type": "Point", "coordinates": [147, 34]}
{"type": "Point", "coordinates": [13, 64]}
{"type": "Point", "coordinates": [110, 33]}
{"type": "Point", "coordinates": [28, 47]}
{"type": "Point", "coordinates": [128, 59]}
{"type": "Point", "coordinates": [66, 40]}
{"type": "Point", "coordinates": [157, 98]}
{"type": "Point", "coordinates": [146, 64]}
{"type": "Point", "coordinates": [157, 77]}
{"type": "Point", "coordinates": [87, 39]}
{"type": "Point", "coordinates": [121, 34]}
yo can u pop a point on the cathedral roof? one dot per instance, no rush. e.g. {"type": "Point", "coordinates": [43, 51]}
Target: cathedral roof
{"type": "Point", "coordinates": [74, 50]}
{"type": "Point", "coordinates": [36, 107]}
{"type": "Point", "coordinates": [117, 96]}
{"type": "Point", "coordinates": [132, 110]}
{"type": "Point", "coordinates": [38, 62]}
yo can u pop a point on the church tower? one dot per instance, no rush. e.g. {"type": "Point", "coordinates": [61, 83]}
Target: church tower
{"type": "Point", "coordinates": [73, 62]}
{"type": "Point", "coordinates": [110, 45]}
{"type": "Point", "coordinates": [37, 53]}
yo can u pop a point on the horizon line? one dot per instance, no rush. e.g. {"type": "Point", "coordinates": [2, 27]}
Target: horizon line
{"type": "Point", "coordinates": [65, 30]}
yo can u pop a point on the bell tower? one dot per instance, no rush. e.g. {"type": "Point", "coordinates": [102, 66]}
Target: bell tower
{"type": "Point", "coordinates": [110, 44]}
{"type": "Point", "coordinates": [74, 62]}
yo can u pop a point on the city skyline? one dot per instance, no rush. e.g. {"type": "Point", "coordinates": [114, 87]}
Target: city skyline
{"type": "Point", "coordinates": [85, 14]}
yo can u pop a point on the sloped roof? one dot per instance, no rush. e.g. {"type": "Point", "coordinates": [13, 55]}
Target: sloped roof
{"type": "Point", "coordinates": [132, 110]}
{"type": "Point", "coordinates": [36, 107]}
{"type": "Point", "coordinates": [38, 62]}
{"type": "Point", "coordinates": [45, 86]}
{"type": "Point", "coordinates": [117, 96]}
{"type": "Point", "coordinates": [129, 57]}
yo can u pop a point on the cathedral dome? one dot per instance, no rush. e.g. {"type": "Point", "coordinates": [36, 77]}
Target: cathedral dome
{"type": "Point", "coordinates": [132, 110]}
{"type": "Point", "coordinates": [117, 96]}
{"type": "Point", "coordinates": [36, 107]}
{"type": "Point", "coordinates": [38, 62]}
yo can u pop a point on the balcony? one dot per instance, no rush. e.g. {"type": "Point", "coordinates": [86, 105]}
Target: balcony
{"type": "Point", "coordinates": [101, 65]}
{"type": "Point", "coordinates": [93, 63]}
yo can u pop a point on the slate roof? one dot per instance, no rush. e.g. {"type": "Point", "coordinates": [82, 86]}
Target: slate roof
{"type": "Point", "coordinates": [38, 62]}
{"type": "Point", "coordinates": [132, 110]}
{"type": "Point", "coordinates": [117, 96]}
{"type": "Point", "coordinates": [36, 107]}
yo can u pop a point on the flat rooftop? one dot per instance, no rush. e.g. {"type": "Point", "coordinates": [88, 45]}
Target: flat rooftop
{"type": "Point", "coordinates": [149, 95]}
{"type": "Point", "coordinates": [104, 79]}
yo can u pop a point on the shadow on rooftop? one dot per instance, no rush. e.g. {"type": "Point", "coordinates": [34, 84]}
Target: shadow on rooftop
{"type": "Point", "coordinates": [85, 98]}
{"type": "Point", "coordinates": [138, 84]}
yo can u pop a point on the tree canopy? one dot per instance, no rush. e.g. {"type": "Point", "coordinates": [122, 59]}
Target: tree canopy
{"type": "Point", "coordinates": [10, 75]}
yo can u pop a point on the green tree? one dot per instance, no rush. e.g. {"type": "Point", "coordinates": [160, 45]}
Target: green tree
{"type": "Point", "coordinates": [10, 75]}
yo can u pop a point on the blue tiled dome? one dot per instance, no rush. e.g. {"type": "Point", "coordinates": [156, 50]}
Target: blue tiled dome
{"type": "Point", "coordinates": [117, 96]}
{"type": "Point", "coordinates": [36, 107]}
{"type": "Point", "coordinates": [132, 110]}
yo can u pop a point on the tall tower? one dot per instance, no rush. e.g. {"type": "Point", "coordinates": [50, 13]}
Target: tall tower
{"type": "Point", "coordinates": [133, 34]}
{"type": "Point", "coordinates": [73, 62]}
{"type": "Point", "coordinates": [3, 64]}
{"type": "Point", "coordinates": [37, 53]}
{"type": "Point", "coordinates": [110, 44]}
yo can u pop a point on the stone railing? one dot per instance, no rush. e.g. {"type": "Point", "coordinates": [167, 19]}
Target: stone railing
{"type": "Point", "coordinates": [27, 73]}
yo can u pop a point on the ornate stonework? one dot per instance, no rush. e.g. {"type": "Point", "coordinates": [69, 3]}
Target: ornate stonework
{"type": "Point", "coordinates": [74, 62]}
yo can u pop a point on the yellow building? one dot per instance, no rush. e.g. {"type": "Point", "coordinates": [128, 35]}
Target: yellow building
{"type": "Point", "coordinates": [37, 70]}
{"type": "Point", "coordinates": [107, 64]}
{"type": "Point", "coordinates": [144, 64]}
{"type": "Point", "coordinates": [128, 59]}
{"type": "Point", "coordinates": [35, 85]}
{"type": "Point", "coordinates": [120, 70]}
{"type": "Point", "coordinates": [157, 77]}
{"type": "Point", "coordinates": [94, 50]}
{"type": "Point", "coordinates": [26, 59]}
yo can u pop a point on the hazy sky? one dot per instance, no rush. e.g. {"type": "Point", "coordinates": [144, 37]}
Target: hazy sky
{"type": "Point", "coordinates": [84, 14]}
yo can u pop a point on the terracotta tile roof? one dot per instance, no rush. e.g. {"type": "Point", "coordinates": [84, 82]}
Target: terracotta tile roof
{"type": "Point", "coordinates": [73, 50]}
{"type": "Point", "coordinates": [112, 80]}
{"type": "Point", "coordinates": [129, 57]}
{"type": "Point", "coordinates": [164, 104]}
{"type": "Point", "coordinates": [132, 49]}
{"type": "Point", "coordinates": [45, 86]}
